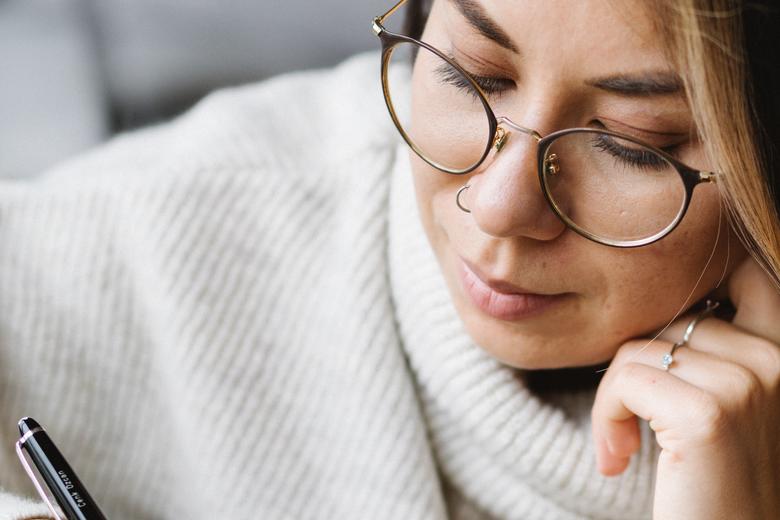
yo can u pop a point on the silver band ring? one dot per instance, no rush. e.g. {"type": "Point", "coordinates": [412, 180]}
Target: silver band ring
{"type": "Point", "coordinates": [457, 198]}
{"type": "Point", "coordinates": [668, 358]}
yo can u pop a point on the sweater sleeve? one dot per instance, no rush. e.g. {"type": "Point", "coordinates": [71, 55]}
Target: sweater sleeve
{"type": "Point", "coordinates": [159, 283]}
{"type": "Point", "coordinates": [14, 507]}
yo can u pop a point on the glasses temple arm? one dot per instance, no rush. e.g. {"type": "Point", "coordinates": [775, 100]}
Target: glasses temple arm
{"type": "Point", "coordinates": [381, 19]}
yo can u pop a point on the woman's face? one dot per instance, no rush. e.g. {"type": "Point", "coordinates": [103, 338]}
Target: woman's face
{"type": "Point", "coordinates": [530, 291]}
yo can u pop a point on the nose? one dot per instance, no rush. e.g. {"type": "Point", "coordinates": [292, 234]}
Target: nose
{"type": "Point", "coordinates": [506, 198]}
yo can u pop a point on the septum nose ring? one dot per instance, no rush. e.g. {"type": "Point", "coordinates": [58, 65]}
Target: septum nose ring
{"type": "Point", "coordinates": [457, 198]}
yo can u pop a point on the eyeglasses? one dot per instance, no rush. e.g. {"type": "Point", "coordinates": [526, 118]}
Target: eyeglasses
{"type": "Point", "coordinates": [609, 187]}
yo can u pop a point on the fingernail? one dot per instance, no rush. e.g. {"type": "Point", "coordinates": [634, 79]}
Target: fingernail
{"type": "Point", "coordinates": [610, 446]}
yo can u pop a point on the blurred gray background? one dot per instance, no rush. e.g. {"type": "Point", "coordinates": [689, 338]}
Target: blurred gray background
{"type": "Point", "coordinates": [74, 72]}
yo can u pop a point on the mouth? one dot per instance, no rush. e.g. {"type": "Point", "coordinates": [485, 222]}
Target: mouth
{"type": "Point", "coordinates": [503, 300]}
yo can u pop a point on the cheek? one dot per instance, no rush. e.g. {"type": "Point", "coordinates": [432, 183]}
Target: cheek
{"type": "Point", "coordinates": [435, 193]}
{"type": "Point", "coordinates": [650, 285]}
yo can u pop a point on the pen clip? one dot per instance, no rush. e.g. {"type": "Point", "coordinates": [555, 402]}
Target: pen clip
{"type": "Point", "coordinates": [55, 510]}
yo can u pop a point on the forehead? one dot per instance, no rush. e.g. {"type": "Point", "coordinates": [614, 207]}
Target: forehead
{"type": "Point", "coordinates": [622, 32]}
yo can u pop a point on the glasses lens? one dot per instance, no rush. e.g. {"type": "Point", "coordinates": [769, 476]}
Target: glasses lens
{"type": "Point", "coordinates": [612, 188]}
{"type": "Point", "coordinates": [437, 108]}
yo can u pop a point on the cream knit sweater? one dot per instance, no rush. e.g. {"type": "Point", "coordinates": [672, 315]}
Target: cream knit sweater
{"type": "Point", "coordinates": [237, 315]}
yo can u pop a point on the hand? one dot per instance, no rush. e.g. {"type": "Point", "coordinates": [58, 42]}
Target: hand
{"type": "Point", "coordinates": [715, 413]}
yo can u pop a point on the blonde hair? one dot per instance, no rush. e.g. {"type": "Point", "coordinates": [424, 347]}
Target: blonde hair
{"type": "Point", "coordinates": [708, 44]}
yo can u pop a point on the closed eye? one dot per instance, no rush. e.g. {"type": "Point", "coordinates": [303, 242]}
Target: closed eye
{"type": "Point", "coordinates": [639, 157]}
{"type": "Point", "coordinates": [492, 86]}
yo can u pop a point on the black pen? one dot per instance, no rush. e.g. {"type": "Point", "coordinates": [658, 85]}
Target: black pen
{"type": "Point", "coordinates": [65, 486]}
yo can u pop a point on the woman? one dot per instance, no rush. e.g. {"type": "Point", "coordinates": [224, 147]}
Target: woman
{"type": "Point", "coordinates": [271, 307]}
{"type": "Point", "coordinates": [506, 238]}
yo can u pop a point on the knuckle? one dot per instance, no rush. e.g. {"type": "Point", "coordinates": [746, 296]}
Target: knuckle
{"type": "Point", "coordinates": [766, 350]}
{"type": "Point", "coordinates": [631, 374]}
{"type": "Point", "coordinates": [746, 385]}
{"type": "Point", "coordinates": [768, 358]}
{"type": "Point", "coordinates": [626, 373]}
{"type": "Point", "coordinates": [713, 420]}
{"type": "Point", "coordinates": [774, 381]}
{"type": "Point", "coordinates": [626, 352]}
{"type": "Point", "coordinates": [613, 379]}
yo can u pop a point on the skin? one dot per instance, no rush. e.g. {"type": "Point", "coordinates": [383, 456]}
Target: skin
{"type": "Point", "coordinates": [511, 233]}
{"type": "Point", "coordinates": [716, 412]}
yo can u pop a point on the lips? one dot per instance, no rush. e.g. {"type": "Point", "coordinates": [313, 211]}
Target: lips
{"type": "Point", "coordinates": [503, 300]}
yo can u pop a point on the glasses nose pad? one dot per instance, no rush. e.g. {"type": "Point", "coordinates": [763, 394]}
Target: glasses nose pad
{"type": "Point", "coordinates": [500, 139]}
{"type": "Point", "coordinates": [551, 166]}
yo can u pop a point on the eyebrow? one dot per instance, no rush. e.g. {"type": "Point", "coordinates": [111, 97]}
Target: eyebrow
{"type": "Point", "coordinates": [476, 16]}
{"type": "Point", "coordinates": [645, 84]}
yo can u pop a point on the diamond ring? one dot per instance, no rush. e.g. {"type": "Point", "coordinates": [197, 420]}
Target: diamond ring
{"type": "Point", "coordinates": [668, 358]}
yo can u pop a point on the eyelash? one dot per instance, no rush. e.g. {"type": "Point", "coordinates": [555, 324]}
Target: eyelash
{"type": "Point", "coordinates": [489, 85]}
{"type": "Point", "coordinates": [638, 158]}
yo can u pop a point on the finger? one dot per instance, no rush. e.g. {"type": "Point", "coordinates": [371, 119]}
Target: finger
{"type": "Point", "coordinates": [756, 299]}
{"type": "Point", "coordinates": [656, 396]}
{"type": "Point", "coordinates": [617, 441]}
{"type": "Point", "coordinates": [706, 371]}
{"type": "Point", "coordinates": [732, 344]}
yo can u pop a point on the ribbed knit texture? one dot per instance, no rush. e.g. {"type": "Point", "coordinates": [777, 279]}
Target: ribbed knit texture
{"type": "Point", "coordinates": [201, 315]}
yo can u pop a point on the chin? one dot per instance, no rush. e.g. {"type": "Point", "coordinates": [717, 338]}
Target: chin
{"type": "Point", "coordinates": [535, 352]}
